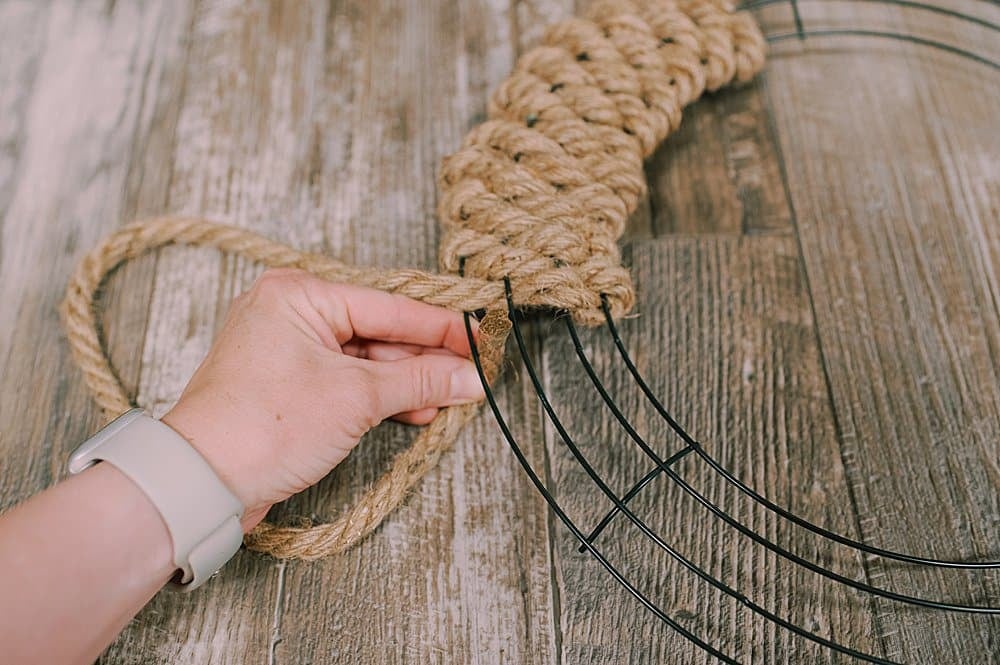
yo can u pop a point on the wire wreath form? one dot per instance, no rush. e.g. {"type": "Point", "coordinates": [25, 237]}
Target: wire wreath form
{"type": "Point", "coordinates": [533, 205]}
{"type": "Point", "coordinates": [690, 447]}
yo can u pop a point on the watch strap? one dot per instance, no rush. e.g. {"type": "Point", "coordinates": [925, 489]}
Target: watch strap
{"type": "Point", "coordinates": [200, 512]}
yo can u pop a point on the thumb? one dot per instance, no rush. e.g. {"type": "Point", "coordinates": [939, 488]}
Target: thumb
{"type": "Point", "coordinates": [425, 381]}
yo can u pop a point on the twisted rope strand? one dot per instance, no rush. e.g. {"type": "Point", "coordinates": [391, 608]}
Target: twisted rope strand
{"type": "Point", "coordinates": [134, 240]}
{"type": "Point", "coordinates": [539, 194]}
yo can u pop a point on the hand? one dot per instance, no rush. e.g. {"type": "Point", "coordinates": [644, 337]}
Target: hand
{"type": "Point", "coordinates": [303, 368]}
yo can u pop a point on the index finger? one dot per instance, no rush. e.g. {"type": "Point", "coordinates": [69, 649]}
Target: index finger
{"type": "Point", "coordinates": [357, 311]}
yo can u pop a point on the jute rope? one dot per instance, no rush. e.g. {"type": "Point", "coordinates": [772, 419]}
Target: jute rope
{"type": "Point", "coordinates": [539, 193]}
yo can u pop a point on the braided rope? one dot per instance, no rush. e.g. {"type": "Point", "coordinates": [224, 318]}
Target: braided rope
{"type": "Point", "coordinates": [539, 193]}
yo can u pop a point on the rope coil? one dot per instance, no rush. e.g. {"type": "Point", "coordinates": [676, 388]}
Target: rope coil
{"type": "Point", "coordinates": [538, 194]}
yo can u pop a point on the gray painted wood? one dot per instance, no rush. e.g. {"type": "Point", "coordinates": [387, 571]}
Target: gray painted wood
{"type": "Point", "coordinates": [819, 304]}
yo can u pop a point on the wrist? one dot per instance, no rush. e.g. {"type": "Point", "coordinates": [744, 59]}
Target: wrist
{"type": "Point", "coordinates": [210, 436]}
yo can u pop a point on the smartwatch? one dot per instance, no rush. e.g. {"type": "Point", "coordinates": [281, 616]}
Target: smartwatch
{"type": "Point", "coordinates": [202, 514]}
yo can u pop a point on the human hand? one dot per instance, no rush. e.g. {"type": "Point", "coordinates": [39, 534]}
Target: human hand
{"type": "Point", "coordinates": [302, 368]}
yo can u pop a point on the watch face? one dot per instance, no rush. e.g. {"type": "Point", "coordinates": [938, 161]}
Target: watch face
{"type": "Point", "coordinates": [86, 454]}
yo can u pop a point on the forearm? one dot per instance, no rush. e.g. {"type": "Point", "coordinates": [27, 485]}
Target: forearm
{"type": "Point", "coordinates": [77, 562]}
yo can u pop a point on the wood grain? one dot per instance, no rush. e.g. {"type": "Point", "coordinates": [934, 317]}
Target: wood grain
{"type": "Point", "coordinates": [61, 185]}
{"type": "Point", "coordinates": [720, 172]}
{"type": "Point", "coordinates": [817, 262]}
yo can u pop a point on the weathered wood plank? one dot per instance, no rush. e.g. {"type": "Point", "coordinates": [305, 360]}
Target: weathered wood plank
{"type": "Point", "coordinates": [325, 126]}
{"type": "Point", "coordinates": [896, 187]}
{"type": "Point", "coordinates": [80, 90]}
{"type": "Point", "coordinates": [720, 172]}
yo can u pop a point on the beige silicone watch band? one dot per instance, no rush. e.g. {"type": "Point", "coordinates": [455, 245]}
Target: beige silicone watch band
{"type": "Point", "coordinates": [201, 513]}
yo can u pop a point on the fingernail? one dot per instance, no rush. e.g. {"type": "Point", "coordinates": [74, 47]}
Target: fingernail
{"type": "Point", "coordinates": [465, 384]}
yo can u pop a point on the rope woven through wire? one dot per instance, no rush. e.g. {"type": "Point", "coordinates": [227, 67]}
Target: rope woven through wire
{"type": "Point", "coordinates": [539, 193]}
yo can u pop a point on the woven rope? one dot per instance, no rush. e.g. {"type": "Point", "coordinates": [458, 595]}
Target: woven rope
{"type": "Point", "coordinates": [539, 193]}
{"type": "Point", "coordinates": [542, 190]}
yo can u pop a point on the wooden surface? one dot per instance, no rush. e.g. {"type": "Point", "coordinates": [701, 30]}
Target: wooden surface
{"type": "Point", "coordinates": [819, 273]}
